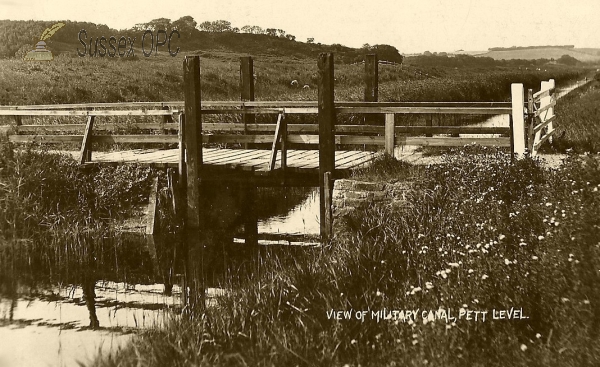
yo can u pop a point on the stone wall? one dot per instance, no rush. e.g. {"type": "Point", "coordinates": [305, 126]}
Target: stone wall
{"type": "Point", "coordinates": [349, 195]}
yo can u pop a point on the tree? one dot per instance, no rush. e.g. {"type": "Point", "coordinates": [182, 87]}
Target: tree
{"type": "Point", "coordinates": [160, 23]}
{"type": "Point", "coordinates": [310, 40]}
{"type": "Point", "coordinates": [567, 60]}
{"type": "Point", "coordinates": [290, 37]}
{"type": "Point", "coordinates": [272, 32]}
{"type": "Point", "coordinates": [185, 25]}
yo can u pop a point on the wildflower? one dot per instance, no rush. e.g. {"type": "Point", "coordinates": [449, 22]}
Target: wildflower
{"type": "Point", "coordinates": [523, 347]}
{"type": "Point", "coordinates": [538, 335]}
{"type": "Point", "coordinates": [353, 341]}
{"type": "Point", "coordinates": [454, 265]}
{"type": "Point", "coordinates": [470, 271]}
{"type": "Point", "coordinates": [507, 262]}
{"type": "Point", "coordinates": [534, 257]}
{"type": "Point", "coordinates": [428, 285]}
{"type": "Point", "coordinates": [484, 276]}
{"type": "Point", "coordinates": [540, 238]}
{"type": "Point", "coordinates": [586, 301]}
{"type": "Point", "coordinates": [522, 244]}
{"type": "Point", "coordinates": [564, 300]}
{"type": "Point", "coordinates": [501, 237]}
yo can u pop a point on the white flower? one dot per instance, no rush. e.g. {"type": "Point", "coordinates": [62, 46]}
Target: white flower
{"type": "Point", "coordinates": [484, 276]}
{"type": "Point", "coordinates": [538, 335]}
{"type": "Point", "coordinates": [523, 347]}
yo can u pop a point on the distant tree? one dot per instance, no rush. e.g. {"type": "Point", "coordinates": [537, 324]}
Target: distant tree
{"type": "Point", "coordinates": [160, 23]}
{"type": "Point", "coordinates": [272, 32]}
{"type": "Point", "coordinates": [366, 46]}
{"type": "Point", "coordinates": [567, 60]}
{"type": "Point", "coordinates": [290, 37]}
{"type": "Point", "coordinates": [222, 26]}
{"type": "Point", "coordinates": [427, 53]}
{"type": "Point", "coordinates": [185, 25]}
{"type": "Point", "coordinates": [281, 33]}
{"type": "Point", "coordinates": [235, 30]}
{"type": "Point", "coordinates": [310, 40]}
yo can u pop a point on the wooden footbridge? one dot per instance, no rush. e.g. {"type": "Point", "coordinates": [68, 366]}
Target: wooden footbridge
{"type": "Point", "coordinates": [203, 150]}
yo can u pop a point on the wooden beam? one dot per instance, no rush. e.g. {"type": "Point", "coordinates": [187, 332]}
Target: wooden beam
{"type": "Point", "coordinates": [151, 210]}
{"type": "Point", "coordinates": [247, 88]}
{"type": "Point", "coordinates": [275, 141]}
{"type": "Point", "coordinates": [389, 134]}
{"type": "Point", "coordinates": [326, 120]}
{"type": "Point", "coordinates": [327, 218]}
{"type": "Point", "coordinates": [193, 138]}
{"type": "Point", "coordinates": [86, 153]}
{"type": "Point", "coordinates": [371, 78]}
{"type": "Point", "coordinates": [518, 119]}
{"type": "Point", "coordinates": [530, 120]}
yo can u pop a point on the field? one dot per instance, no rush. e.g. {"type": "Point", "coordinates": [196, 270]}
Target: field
{"type": "Point", "coordinates": [77, 80]}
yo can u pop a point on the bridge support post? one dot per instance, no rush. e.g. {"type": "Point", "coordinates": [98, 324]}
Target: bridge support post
{"type": "Point", "coordinates": [247, 88]}
{"type": "Point", "coordinates": [517, 135]}
{"type": "Point", "coordinates": [327, 117]}
{"type": "Point", "coordinates": [192, 137]}
{"type": "Point", "coordinates": [371, 82]}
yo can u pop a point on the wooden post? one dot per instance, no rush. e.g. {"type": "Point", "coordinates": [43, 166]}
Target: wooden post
{"type": "Point", "coordinates": [247, 88]}
{"type": "Point", "coordinates": [371, 78]}
{"type": "Point", "coordinates": [326, 110]}
{"type": "Point", "coordinates": [86, 145]}
{"type": "Point", "coordinates": [284, 133]}
{"type": "Point", "coordinates": [371, 83]}
{"type": "Point", "coordinates": [389, 134]}
{"type": "Point", "coordinates": [250, 218]}
{"type": "Point", "coordinates": [530, 120]}
{"type": "Point", "coordinates": [550, 129]}
{"type": "Point", "coordinates": [327, 220]}
{"type": "Point", "coordinates": [429, 123]}
{"type": "Point", "coordinates": [193, 155]}
{"type": "Point", "coordinates": [518, 121]}
{"type": "Point", "coordinates": [182, 169]}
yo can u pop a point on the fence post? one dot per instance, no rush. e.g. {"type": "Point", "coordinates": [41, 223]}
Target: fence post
{"type": "Point", "coordinates": [326, 118]}
{"type": "Point", "coordinates": [389, 134]}
{"type": "Point", "coordinates": [247, 89]}
{"type": "Point", "coordinates": [371, 83]}
{"type": "Point", "coordinates": [551, 84]}
{"type": "Point", "coordinates": [530, 120]}
{"type": "Point", "coordinates": [194, 278]}
{"type": "Point", "coordinates": [518, 119]}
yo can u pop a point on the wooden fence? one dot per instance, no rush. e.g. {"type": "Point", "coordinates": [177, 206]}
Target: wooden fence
{"type": "Point", "coordinates": [280, 135]}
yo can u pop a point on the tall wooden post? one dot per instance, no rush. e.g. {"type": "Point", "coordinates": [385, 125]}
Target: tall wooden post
{"type": "Point", "coordinates": [193, 155]}
{"type": "Point", "coordinates": [247, 89]}
{"type": "Point", "coordinates": [326, 109]}
{"type": "Point", "coordinates": [518, 119]}
{"type": "Point", "coordinates": [530, 120]}
{"type": "Point", "coordinates": [371, 78]}
{"type": "Point", "coordinates": [371, 83]}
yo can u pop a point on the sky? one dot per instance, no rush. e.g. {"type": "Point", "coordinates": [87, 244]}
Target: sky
{"type": "Point", "coordinates": [410, 26]}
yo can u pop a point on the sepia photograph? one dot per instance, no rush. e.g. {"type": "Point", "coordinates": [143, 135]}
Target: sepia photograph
{"type": "Point", "coordinates": [300, 183]}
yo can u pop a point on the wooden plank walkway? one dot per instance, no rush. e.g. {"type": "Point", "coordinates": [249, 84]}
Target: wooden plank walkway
{"type": "Point", "coordinates": [241, 159]}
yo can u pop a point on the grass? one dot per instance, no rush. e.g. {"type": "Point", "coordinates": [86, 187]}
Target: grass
{"type": "Point", "coordinates": [481, 234]}
{"type": "Point", "coordinates": [578, 123]}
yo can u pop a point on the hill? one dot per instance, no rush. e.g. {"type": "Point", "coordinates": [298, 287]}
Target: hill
{"type": "Point", "coordinates": [583, 54]}
{"type": "Point", "coordinates": [21, 37]}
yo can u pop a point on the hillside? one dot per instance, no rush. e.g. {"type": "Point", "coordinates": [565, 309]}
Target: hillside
{"type": "Point", "coordinates": [583, 54]}
{"type": "Point", "coordinates": [21, 37]}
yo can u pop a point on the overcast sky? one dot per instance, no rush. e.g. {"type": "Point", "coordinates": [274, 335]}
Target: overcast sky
{"type": "Point", "coordinates": [411, 26]}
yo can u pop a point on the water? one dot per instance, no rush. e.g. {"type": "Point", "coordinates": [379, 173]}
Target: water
{"type": "Point", "coordinates": [303, 219]}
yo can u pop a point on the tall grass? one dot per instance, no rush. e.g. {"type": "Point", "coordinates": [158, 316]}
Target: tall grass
{"type": "Point", "coordinates": [577, 121]}
{"type": "Point", "coordinates": [481, 234]}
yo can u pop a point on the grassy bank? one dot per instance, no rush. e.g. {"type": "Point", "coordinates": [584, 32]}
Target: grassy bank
{"type": "Point", "coordinates": [479, 234]}
{"type": "Point", "coordinates": [578, 121]}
